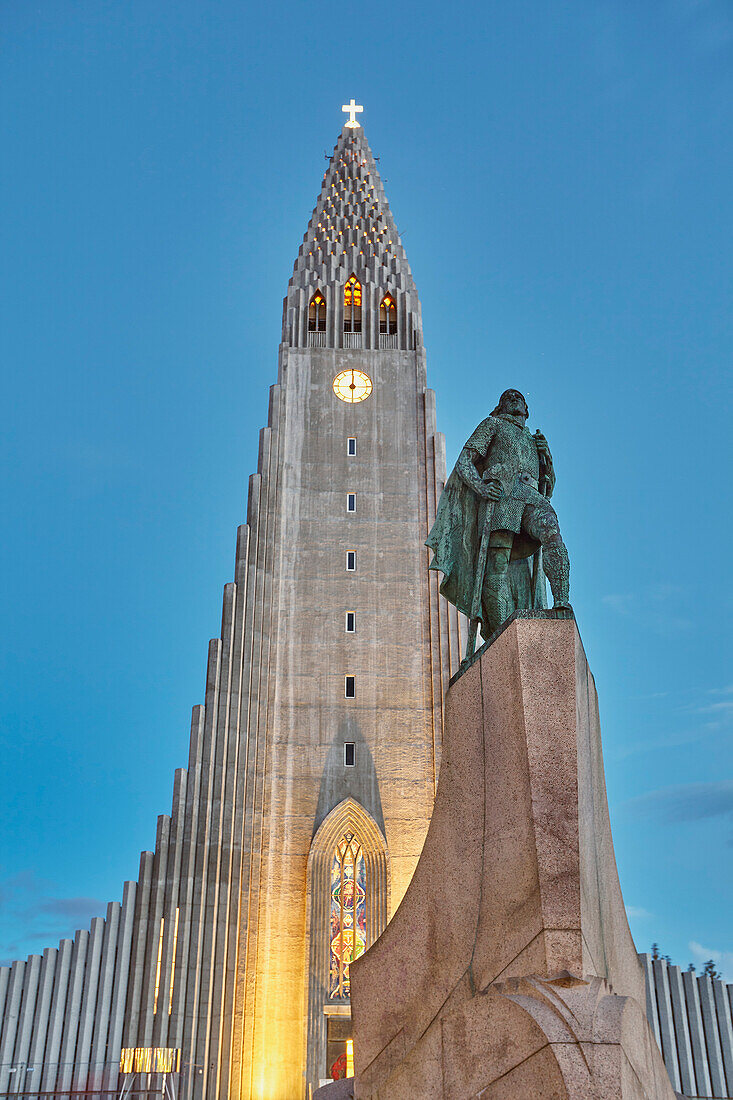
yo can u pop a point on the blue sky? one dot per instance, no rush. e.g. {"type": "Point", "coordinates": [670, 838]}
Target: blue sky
{"type": "Point", "coordinates": [561, 177]}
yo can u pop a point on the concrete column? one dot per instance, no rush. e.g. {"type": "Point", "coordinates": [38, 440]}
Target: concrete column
{"type": "Point", "coordinates": [225, 967]}
{"type": "Point", "coordinates": [25, 1023]}
{"type": "Point", "coordinates": [171, 909]}
{"type": "Point", "coordinates": [188, 859]}
{"type": "Point", "coordinates": [153, 941]}
{"type": "Point", "coordinates": [697, 1035]}
{"type": "Point", "coordinates": [200, 885]}
{"type": "Point", "coordinates": [219, 869]}
{"type": "Point", "coordinates": [137, 955]}
{"type": "Point", "coordinates": [89, 1004]}
{"type": "Point", "coordinates": [104, 995]}
{"type": "Point", "coordinates": [56, 1017]}
{"type": "Point", "coordinates": [73, 1008]}
{"type": "Point", "coordinates": [712, 1036]}
{"type": "Point", "coordinates": [682, 1031]}
{"type": "Point", "coordinates": [4, 980]}
{"type": "Point", "coordinates": [121, 981]}
{"type": "Point", "coordinates": [666, 1021]}
{"type": "Point", "coordinates": [260, 514]}
{"type": "Point", "coordinates": [10, 1023]}
{"type": "Point", "coordinates": [652, 1014]}
{"type": "Point", "coordinates": [40, 1020]}
{"type": "Point", "coordinates": [725, 1030]}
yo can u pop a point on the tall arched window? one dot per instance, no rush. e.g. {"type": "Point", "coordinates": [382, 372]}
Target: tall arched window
{"type": "Point", "coordinates": [317, 313]}
{"type": "Point", "coordinates": [348, 930]}
{"type": "Point", "coordinates": [387, 316]}
{"type": "Point", "coordinates": [348, 900]}
{"type": "Point", "coordinates": [352, 305]}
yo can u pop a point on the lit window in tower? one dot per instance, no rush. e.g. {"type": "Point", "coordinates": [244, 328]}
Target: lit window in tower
{"type": "Point", "coordinates": [317, 313]}
{"type": "Point", "coordinates": [352, 305]}
{"type": "Point", "coordinates": [387, 316]}
{"type": "Point", "coordinates": [348, 913]}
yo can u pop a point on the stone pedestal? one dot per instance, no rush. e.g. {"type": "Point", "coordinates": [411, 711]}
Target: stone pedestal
{"type": "Point", "coordinates": [509, 970]}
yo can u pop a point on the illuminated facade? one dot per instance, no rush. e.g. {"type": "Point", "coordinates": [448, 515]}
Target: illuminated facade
{"type": "Point", "coordinates": [314, 757]}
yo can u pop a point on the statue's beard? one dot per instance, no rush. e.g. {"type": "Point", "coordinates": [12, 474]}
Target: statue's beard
{"type": "Point", "coordinates": [515, 418]}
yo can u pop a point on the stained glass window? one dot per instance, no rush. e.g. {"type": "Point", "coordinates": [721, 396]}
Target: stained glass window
{"type": "Point", "coordinates": [352, 305]}
{"type": "Point", "coordinates": [387, 316]}
{"type": "Point", "coordinates": [348, 913]}
{"type": "Point", "coordinates": [317, 313]}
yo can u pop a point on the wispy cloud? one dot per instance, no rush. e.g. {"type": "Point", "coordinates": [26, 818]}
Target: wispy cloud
{"type": "Point", "coordinates": [656, 607]}
{"type": "Point", "coordinates": [722, 959]}
{"type": "Point", "coordinates": [706, 713]}
{"type": "Point", "coordinates": [725, 706]}
{"type": "Point", "coordinates": [663, 743]}
{"type": "Point", "coordinates": [35, 918]}
{"type": "Point", "coordinates": [635, 912]}
{"type": "Point", "coordinates": [77, 909]}
{"type": "Point", "coordinates": [686, 802]}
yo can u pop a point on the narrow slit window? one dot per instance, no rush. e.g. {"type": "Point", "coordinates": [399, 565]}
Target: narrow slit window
{"type": "Point", "coordinates": [350, 687]}
{"type": "Point", "coordinates": [349, 754]}
{"type": "Point", "coordinates": [351, 502]}
{"type": "Point", "coordinates": [351, 446]}
{"type": "Point", "coordinates": [351, 560]}
{"type": "Point", "coordinates": [351, 622]}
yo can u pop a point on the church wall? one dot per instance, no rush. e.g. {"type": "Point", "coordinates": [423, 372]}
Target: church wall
{"type": "Point", "coordinates": [392, 714]}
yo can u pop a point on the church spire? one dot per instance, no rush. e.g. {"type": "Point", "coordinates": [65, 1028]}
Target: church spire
{"type": "Point", "coordinates": [351, 233]}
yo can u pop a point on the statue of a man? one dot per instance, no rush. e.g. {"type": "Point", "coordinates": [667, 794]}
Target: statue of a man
{"type": "Point", "coordinates": [504, 467]}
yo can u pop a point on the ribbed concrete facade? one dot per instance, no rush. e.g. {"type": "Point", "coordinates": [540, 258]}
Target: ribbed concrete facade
{"type": "Point", "coordinates": [221, 949]}
{"type": "Point", "coordinates": [691, 1019]}
{"type": "Point", "coordinates": [63, 1012]}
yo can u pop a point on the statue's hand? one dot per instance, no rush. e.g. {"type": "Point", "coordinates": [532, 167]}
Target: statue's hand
{"type": "Point", "coordinates": [492, 490]}
{"type": "Point", "coordinates": [543, 447]}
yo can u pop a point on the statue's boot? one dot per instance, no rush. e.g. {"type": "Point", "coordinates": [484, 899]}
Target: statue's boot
{"type": "Point", "coordinates": [496, 603]}
{"type": "Point", "coordinates": [556, 564]}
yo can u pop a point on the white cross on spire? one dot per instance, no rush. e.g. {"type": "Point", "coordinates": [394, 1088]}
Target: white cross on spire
{"type": "Point", "coordinates": [352, 109]}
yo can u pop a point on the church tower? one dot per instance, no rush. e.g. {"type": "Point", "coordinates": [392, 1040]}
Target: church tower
{"type": "Point", "coordinates": [314, 758]}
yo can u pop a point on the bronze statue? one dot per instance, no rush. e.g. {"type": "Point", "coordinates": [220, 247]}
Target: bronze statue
{"type": "Point", "coordinates": [494, 516]}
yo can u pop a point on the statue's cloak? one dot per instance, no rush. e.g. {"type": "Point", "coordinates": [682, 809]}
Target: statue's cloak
{"type": "Point", "coordinates": [501, 450]}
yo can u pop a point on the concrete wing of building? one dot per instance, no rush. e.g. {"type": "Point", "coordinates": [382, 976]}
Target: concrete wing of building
{"type": "Point", "coordinates": [313, 760]}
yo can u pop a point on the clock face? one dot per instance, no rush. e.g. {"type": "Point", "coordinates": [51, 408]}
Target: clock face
{"type": "Point", "coordinates": [352, 386]}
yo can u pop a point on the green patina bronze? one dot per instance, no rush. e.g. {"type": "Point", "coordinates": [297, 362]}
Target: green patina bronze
{"type": "Point", "coordinates": [495, 522]}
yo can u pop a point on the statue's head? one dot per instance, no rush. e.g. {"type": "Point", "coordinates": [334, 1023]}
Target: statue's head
{"type": "Point", "coordinates": [512, 403]}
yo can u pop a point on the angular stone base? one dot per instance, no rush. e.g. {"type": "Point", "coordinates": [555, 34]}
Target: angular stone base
{"type": "Point", "coordinates": [509, 970]}
{"type": "Point", "coordinates": [533, 1038]}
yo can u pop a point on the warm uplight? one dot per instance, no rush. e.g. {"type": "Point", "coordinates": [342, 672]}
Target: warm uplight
{"type": "Point", "coordinates": [157, 969]}
{"type": "Point", "coordinates": [150, 1060]}
{"type": "Point", "coordinates": [173, 963]}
